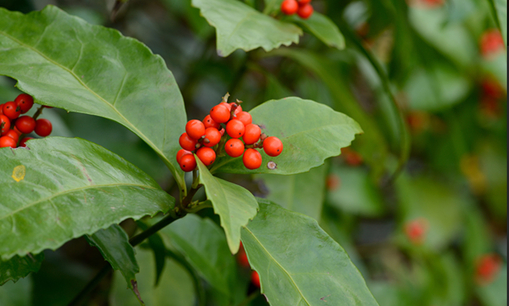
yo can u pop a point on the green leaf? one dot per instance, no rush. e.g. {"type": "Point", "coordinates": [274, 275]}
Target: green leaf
{"type": "Point", "coordinates": [495, 293]}
{"type": "Point", "coordinates": [17, 294]}
{"type": "Point", "coordinates": [298, 263]}
{"type": "Point", "coordinates": [156, 243]}
{"type": "Point", "coordinates": [64, 62]}
{"type": "Point", "coordinates": [18, 267]}
{"type": "Point", "coordinates": [234, 204]}
{"type": "Point", "coordinates": [204, 245]}
{"type": "Point", "coordinates": [310, 132]}
{"type": "Point", "coordinates": [303, 193]}
{"type": "Point", "coordinates": [239, 26]}
{"type": "Point", "coordinates": [323, 28]}
{"type": "Point", "coordinates": [499, 11]}
{"type": "Point", "coordinates": [60, 188]}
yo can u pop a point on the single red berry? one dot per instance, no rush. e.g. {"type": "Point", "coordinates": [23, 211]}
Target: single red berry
{"type": "Point", "coordinates": [181, 153]}
{"type": "Point", "coordinates": [303, 2]}
{"type": "Point", "coordinates": [242, 257]}
{"type": "Point", "coordinates": [252, 159]}
{"type": "Point", "coordinates": [25, 102]}
{"type": "Point", "coordinates": [195, 129]}
{"type": "Point", "coordinates": [228, 105]}
{"type": "Point", "coordinates": [212, 137]}
{"type": "Point", "coordinates": [234, 147]}
{"type": "Point", "coordinates": [272, 146]}
{"type": "Point", "coordinates": [6, 141]}
{"type": "Point", "coordinates": [255, 279]}
{"type": "Point", "coordinates": [25, 124]}
{"type": "Point", "coordinates": [487, 267]}
{"type": "Point", "coordinates": [492, 42]}
{"type": "Point", "coordinates": [43, 127]}
{"type": "Point", "coordinates": [244, 117]}
{"type": "Point", "coordinates": [206, 155]}
{"type": "Point", "coordinates": [5, 124]}
{"type": "Point", "coordinates": [209, 122]}
{"type": "Point", "coordinates": [11, 110]}
{"type": "Point", "coordinates": [13, 134]}
{"type": "Point", "coordinates": [187, 142]}
{"type": "Point", "coordinates": [24, 140]}
{"type": "Point", "coordinates": [416, 230]}
{"type": "Point", "coordinates": [352, 157]}
{"type": "Point", "coordinates": [235, 128]}
{"type": "Point", "coordinates": [305, 11]}
{"type": "Point", "coordinates": [289, 7]}
{"type": "Point", "coordinates": [187, 163]}
{"type": "Point", "coordinates": [220, 113]}
{"type": "Point", "coordinates": [252, 134]}
{"type": "Point", "coordinates": [333, 182]}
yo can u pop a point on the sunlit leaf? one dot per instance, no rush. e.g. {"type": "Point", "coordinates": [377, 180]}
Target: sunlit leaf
{"type": "Point", "coordinates": [324, 29]}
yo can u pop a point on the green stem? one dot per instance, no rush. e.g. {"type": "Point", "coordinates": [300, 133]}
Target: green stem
{"type": "Point", "coordinates": [134, 241]}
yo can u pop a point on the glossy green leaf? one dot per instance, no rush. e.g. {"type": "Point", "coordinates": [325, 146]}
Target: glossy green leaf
{"type": "Point", "coordinates": [298, 263]}
{"type": "Point", "coordinates": [18, 267]}
{"type": "Point", "coordinates": [17, 294]}
{"type": "Point", "coordinates": [303, 193]}
{"type": "Point", "coordinates": [239, 26]}
{"type": "Point", "coordinates": [204, 245]}
{"type": "Point", "coordinates": [324, 29]}
{"type": "Point", "coordinates": [64, 62]}
{"type": "Point", "coordinates": [310, 132]}
{"type": "Point", "coordinates": [234, 204]}
{"type": "Point", "coordinates": [272, 6]}
{"type": "Point", "coordinates": [61, 188]}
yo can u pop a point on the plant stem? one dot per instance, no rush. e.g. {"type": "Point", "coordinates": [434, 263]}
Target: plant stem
{"type": "Point", "coordinates": [80, 298]}
{"type": "Point", "coordinates": [134, 241]}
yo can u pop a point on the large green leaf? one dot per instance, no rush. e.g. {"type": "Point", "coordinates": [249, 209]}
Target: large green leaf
{"type": "Point", "coordinates": [310, 132]}
{"type": "Point", "coordinates": [61, 188]}
{"type": "Point", "coordinates": [234, 204]}
{"type": "Point", "coordinates": [323, 28]}
{"type": "Point", "coordinates": [298, 263]}
{"type": "Point", "coordinates": [64, 62]}
{"type": "Point", "coordinates": [239, 26]}
{"type": "Point", "coordinates": [18, 267]}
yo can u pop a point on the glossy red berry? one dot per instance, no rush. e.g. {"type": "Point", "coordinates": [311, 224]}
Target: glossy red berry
{"type": "Point", "coordinates": [6, 141]}
{"type": "Point", "coordinates": [220, 113]}
{"type": "Point", "coordinates": [234, 147]}
{"type": "Point", "coordinates": [187, 142]}
{"type": "Point", "coordinates": [255, 279]}
{"type": "Point", "coordinates": [252, 159]}
{"type": "Point", "coordinates": [212, 137]}
{"type": "Point", "coordinates": [5, 124]}
{"type": "Point", "coordinates": [13, 134]}
{"type": "Point", "coordinates": [43, 127]}
{"type": "Point", "coordinates": [228, 105]}
{"type": "Point", "coordinates": [305, 11]}
{"type": "Point", "coordinates": [187, 163]}
{"type": "Point", "coordinates": [25, 124]}
{"type": "Point", "coordinates": [195, 129]}
{"type": "Point", "coordinates": [206, 155]}
{"type": "Point", "coordinates": [235, 128]}
{"type": "Point", "coordinates": [289, 7]}
{"type": "Point", "coordinates": [252, 134]}
{"type": "Point", "coordinates": [25, 102]}
{"type": "Point", "coordinates": [244, 117]}
{"type": "Point", "coordinates": [181, 153]}
{"type": "Point", "coordinates": [11, 110]}
{"type": "Point", "coordinates": [209, 122]}
{"type": "Point", "coordinates": [242, 257]}
{"type": "Point", "coordinates": [24, 140]}
{"type": "Point", "coordinates": [272, 146]}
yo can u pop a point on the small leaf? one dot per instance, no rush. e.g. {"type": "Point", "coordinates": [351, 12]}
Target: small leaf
{"type": "Point", "coordinates": [324, 29]}
{"type": "Point", "coordinates": [310, 132]}
{"type": "Point", "coordinates": [234, 204]}
{"type": "Point", "coordinates": [239, 26]}
{"type": "Point", "coordinates": [71, 187]}
{"type": "Point", "coordinates": [18, 267]}
{"type": "Point", "coordinates": [298, 263]}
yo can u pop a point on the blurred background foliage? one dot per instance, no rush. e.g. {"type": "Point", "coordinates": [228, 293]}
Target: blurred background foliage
{"type": "Point", "coordinates": [437, 235]}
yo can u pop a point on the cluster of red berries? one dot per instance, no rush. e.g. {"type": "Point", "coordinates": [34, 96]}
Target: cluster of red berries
{"type": "Point", "coordinates": [303, 8]}
{"type": "Point", "coordinates": [13, 126]}
{"type": "Point", "coordinates": [206, 138]}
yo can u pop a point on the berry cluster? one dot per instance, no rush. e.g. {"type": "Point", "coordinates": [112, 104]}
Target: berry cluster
{"type": "Point", "coordinates": [303, 8]}
{"type": "Point", "coordinates": [207, 138]}
{"type": "Point", "coordinates": [14, 127]}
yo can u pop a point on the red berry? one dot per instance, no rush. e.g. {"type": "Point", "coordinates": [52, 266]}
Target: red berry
{"type": "Point", "coordinates": [2, 109]}
{"type": "Point", "coordinates": [220, 113]}
{"type": "Point", "coordinates": [212, 137]}
{"type": "Point", "coordinates": [487, 268]}
{"type": "Point", "coordinates": [333, 182]}
{"type": "Point", "coordinates": [289, 7]}
{"type": "Point", "coordinates": [252, 159]}
{"type": "Point", "coordinates": [416, 230]}
{"type": "Point", "coordinates": [491, 43]}
{"type": "Point", "coordinates": [25, 102]}
{"type": "Point", "coordinates": [272, 146]}
{"type": "Point", "coordinates": [195, 129]}
{"type": "Point", "coordinates": [238, 109]}
{"type": "Point", "coordinates": [255, 279]}
{"type": "Point", "coordinates": [305, 11]}
{"type": "Point", "coordinates": [244, 117]}
{"type": "Point", "coordinates": [5, 124]}
{"type": "Point", "coordinates": [209, 122]}
{"type": "Point", "coordinates": [234, 147]}
{"type": "Point", "coordinates": [206, 155]}
{"type": "Point", "coordinates": [23, 141]}
{"type": "Point", "coordinates": [11, 110]}
{"type": "Point", "coordinates": [181, 153]}
{"type": "Point", "coordinates": [6, 141]}
{"type": "Point", "coordinates": [351, 157]}
{"type": "Point", "coordinates": [43, 127]}
{"type": "Point", "coordinates": [13, 134]}
{"type": "Point", "coordinates": [25, 124]}
{"type": "Point", "coordinates": [187, 163]}
{"type": "Point", "coordinates": [187, 143]}
{"type": "Point", "coordinates": [228, 105]}
{"type": "Point", "coordinates": [235, 128]}
{"type": "Point", "coordinates": [252, 134]}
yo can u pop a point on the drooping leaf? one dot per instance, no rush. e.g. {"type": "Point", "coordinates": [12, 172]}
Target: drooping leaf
{"type": "Point", "coordinates": [18, 267]}
{"type": "Point", "coordinates": [64, 62]}
{"type": "Point", "coordinates": [324, 29]}
{"type": "Point", "coordinates": [303, 193]}
{"type": "Point", "coordinates": [239, 26]}
{"type": "Point", "coordinates": [298, 263]}
{"type": "Point", "coordinates": [61, 188]}
{"type": "Point", "coordinates": [310, 132]}
{"type": "Point", "coordinates": [234, 204]}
